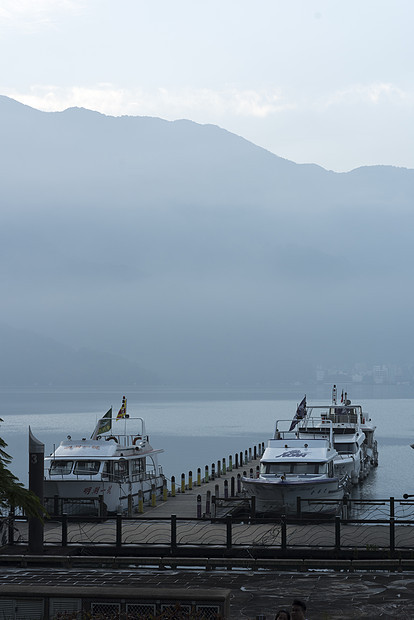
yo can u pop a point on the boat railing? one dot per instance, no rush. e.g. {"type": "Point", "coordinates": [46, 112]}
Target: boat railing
{"type": "Point", "coordinates": [306, 424]}
{"type": "Point", "coordinates": [313, 429]}
{"type": "Point", "coordinates": [338, 414]}
{"type": "Point", "coordinates": [126, 441]}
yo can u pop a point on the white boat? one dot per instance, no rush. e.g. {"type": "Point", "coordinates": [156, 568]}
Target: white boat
{"type": "Point", "coordinates": [293, 467]}
{"type": "Point", "coordinates": [353, 434]}
{"type": "Point", "coordinates": [116, 469]}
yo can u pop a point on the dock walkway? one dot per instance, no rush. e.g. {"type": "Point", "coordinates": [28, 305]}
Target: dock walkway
{"type": "Point", "coordinates": [184, 504]}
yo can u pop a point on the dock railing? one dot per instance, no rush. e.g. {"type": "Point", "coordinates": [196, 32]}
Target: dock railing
{"type": "Point", "coordinates": [373, 536]}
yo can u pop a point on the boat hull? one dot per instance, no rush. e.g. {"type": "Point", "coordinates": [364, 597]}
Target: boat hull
{"type": "Point", "coordinates": [281, 497]}
{"type": "Point", "coordinates": [348, 466]}
{"type": "Point", "coordinates": [77, 496]}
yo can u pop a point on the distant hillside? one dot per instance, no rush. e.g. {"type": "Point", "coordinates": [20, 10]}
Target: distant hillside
{"type": "Point", "coordinates": [191, 252]}
{"type": "Point", "coordinates": [28, 359]}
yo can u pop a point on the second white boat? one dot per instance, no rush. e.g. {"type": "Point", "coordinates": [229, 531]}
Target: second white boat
{"type": "Point", "coordinates": [294, 467]}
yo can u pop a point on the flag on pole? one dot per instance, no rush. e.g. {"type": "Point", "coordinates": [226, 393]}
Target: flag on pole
{"type": "Point", "coordinates": [122, 411]}
{"type": "Point", "coordinates": [300, 413]}
{"type": "Point", "coordinates": [104, 424]}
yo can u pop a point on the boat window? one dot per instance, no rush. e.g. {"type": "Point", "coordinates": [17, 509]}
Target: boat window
{"type": "Point", "coordinates": [86, 467]}
{"type": "Point", "coordinates": [308, 468]}
{"type": "Point", "coordinates": [120, 469]}
{"type": "Point", "coordinates": [60, 468]}
{"type": "Point", "coordinates": [106, 471]}
{"type": "Point", "coordinates": [293, 468]}
{"type": "Point", "coordinates": [346, 448]}
{"type": "Point", "coordinates": [137, 466]}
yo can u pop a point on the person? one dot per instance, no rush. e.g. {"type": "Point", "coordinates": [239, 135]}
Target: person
{"type": "Point", "coordinates": [298, 610]}
{"type": "Point", "coordinates": [282, 614]}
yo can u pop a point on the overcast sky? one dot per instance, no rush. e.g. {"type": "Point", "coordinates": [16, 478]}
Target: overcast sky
{"type": "Point", "coordinates": [322, 81]}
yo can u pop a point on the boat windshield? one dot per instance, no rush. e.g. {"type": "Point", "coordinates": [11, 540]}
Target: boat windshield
{"type": "Point", "coordinates": [293, 468]}
{"type": "Point", "coordinates": [60, 468]}
{"type": "Point", "coordinates": [346, 448]}
{"type": "Point", "coordinates": [86, 467]}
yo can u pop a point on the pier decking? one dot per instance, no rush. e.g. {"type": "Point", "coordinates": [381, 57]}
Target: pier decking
{"type": "Point", "coordinates": [184, 503]}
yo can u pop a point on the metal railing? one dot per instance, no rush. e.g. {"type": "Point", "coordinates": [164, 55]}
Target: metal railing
{"type": "Point", "coordinates": [175, 535]}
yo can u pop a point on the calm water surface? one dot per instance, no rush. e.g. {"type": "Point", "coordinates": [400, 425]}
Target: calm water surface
{"type": "Point", "coordinates": [196, 428]}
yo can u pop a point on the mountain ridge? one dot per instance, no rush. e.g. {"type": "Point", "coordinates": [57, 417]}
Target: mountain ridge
{"type": "Point", "coordinates": [206, 256]}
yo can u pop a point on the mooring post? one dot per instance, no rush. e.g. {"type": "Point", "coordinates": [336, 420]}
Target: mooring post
{"type": "Point", "coordinates": [199, 476]}
{"type": "Point", "coordinates": [226, 489]}
{"type": "Point", "coordinates": [230, 462]}
{"type": "Point", "coordinates": [198, 506]}
{"type": "Point", "coordinates": [232, 487]}
{"type": "Point", "coordinates": [36, 474]}
{"type": "Point", "coordinates": [141, 501]}
{"type": "Point", "coordinates": [236, 461]}
{"type": "Point", "coordinates": [253, 506]}
{"type": "Point", "coordinates": [206, 473]}
{"type": "Point", "coordinates": [208, 504]}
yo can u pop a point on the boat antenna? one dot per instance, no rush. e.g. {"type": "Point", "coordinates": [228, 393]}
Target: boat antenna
{"type": "Point", "coordinates": [334, 395]}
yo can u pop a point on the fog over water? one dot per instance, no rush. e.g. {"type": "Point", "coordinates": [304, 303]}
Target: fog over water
{"type": "Point", "coordinates": [136, 250]}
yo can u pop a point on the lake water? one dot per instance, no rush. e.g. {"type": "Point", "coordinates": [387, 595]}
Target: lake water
{"type": "Point", "coordinates": [199, 427]}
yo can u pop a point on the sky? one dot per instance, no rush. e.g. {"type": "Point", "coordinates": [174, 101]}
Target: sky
{"type": "Point", "coordinates": [314, 81]}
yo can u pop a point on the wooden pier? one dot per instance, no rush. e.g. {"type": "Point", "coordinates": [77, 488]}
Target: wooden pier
{"type": "Point", "coordinates": [193, 500]}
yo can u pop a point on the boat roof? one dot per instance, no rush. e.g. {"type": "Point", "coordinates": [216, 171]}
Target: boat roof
{"type": "Point", "coordinates": [298, 450]}
{"type": "Point", "coordinates": [99, 449]}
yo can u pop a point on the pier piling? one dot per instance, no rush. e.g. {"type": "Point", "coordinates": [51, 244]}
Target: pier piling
{"type": "Point", "coordinates": [36, 473]}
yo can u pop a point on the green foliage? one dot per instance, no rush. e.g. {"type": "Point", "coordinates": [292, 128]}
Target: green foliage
{"type": "Point", "coordinates": [12, 492]}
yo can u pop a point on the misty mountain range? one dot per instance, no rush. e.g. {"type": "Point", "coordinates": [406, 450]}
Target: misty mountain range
{"type": "Point", "coordinates": [136, 250]}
